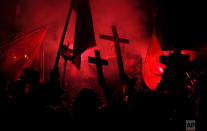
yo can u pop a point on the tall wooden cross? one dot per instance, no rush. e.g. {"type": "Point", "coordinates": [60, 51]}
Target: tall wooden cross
{"type": "Point", "coordinates": [99, 65]}
{"type": "Point", "coordinates": [117, 41]}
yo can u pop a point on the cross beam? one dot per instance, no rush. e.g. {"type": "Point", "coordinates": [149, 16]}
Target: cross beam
{"type": "Point", "coordinates": [99, 65]}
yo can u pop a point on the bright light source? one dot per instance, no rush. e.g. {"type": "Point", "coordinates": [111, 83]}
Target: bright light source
{"type": "Point", "coordinates": [160, 69]}
{"type": "Point", "coordinates": [26, 56]}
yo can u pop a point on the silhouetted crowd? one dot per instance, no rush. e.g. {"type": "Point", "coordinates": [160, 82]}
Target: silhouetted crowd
{"type": "Point", "coordinates": [29, 101]}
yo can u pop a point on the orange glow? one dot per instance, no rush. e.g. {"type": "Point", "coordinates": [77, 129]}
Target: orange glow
{"type": "Point", "coordinates": [26, 56]}
{"type": "Point", "coordinates": [14, 57]}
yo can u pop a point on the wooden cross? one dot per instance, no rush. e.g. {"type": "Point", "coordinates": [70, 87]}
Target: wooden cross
{"type": "Point", "coordinates": [117, 40]}
{"type": "Point", "coordinates": [99, 65]}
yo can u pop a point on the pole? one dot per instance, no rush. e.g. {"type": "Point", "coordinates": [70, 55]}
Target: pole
{"type": "Point", "coordinates": [63, 36]}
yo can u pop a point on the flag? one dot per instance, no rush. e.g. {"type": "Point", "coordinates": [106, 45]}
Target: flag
{"type": "Point", "coordinates": [21, 52]}
{"type": "Point", "coordinates": [84, 31]}
{"type": "Point", "coordinates": [152, 69]}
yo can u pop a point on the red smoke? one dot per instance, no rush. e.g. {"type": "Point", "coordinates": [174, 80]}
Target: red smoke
{"type": "Point", "coordinates": [133, 19]}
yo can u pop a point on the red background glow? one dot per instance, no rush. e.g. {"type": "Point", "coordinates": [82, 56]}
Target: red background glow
{"type": "Point", "coordinates": [134, 21]}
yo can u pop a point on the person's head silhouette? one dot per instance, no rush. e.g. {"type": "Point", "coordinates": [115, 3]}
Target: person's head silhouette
{"type": "Point", "coordinates": [86, 104]}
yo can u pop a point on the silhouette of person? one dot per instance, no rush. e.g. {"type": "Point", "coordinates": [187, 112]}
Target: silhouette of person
{"type": "Point", "coordinates": [86, 106]}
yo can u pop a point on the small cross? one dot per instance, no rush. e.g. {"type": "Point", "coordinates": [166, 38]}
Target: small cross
{"type": "Point", "coordinates": [99, 65]}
